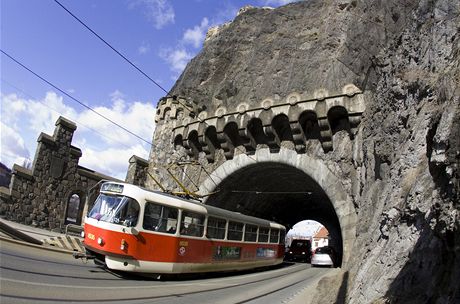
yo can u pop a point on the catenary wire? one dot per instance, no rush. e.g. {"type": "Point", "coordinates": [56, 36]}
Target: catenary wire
{"type": "Point", "coordinates": [110, 46]}
{"type": "Point", "coordinates": [74, 99]}
{"type": "Point", "coordinates": [131, 63]}
{"type": "Point", "coordinates": [271, 192]}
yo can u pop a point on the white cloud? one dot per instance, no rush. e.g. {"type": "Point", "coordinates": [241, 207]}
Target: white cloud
{"type": "Point", "coordinates": [50, 108]}
{"type": "Point", "coordinates": [13, 149]}
{"type": "Point", "coordinates": [106, 148]}
{"type": "Point", "coordinates": [112, 161]}
{"type": "Point", "coordinates": [185, 49]}
{"type": "Point", "coordinates": [160, 12]}
{"type": "Point", "coordinates": [177, 58]}
{"type": "Point", "coordinates": [15, 104]}
{"type": "Point", "coordinates": [144, 48]}
{"type": "Point", "coordinates": [137, 117]}
{"type": "Point", "coordinates": [196, 35]}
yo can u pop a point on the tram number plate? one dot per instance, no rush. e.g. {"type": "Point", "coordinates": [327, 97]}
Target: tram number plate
{"type": "Point", "coordinates": [91, 236]}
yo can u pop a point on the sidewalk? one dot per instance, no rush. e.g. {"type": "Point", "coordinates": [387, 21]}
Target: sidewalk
{"type": "Point", "coordinates": [49, 238]}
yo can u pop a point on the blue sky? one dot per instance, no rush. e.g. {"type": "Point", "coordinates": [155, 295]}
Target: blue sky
{"type": "Point", "coordinates": [159, 36]}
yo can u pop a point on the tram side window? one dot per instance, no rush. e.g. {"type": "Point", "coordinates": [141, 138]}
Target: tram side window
{"type": "Point", "coordinates": [235, 231]}
{"type": "Point", "coordinates": [192, 224]}
{"type": "Point", "coordinates": [250, 233]}
{"type": "Point", "coordinates": [160, 218]}
{"type": "Point", "coordinates": [263, 235]}
{"type": "Point", "coordinates": [282, 237]}
{"type": "Point", "coordinates": [216, 228]}
{"type": "Point", "coordinates": [274, 235]}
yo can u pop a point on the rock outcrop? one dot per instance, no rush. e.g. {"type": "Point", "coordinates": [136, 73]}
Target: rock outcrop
{"type": "Point", "coordinates": [403, 171]}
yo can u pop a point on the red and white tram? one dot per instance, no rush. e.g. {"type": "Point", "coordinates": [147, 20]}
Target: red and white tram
{"type": "Point", "coordinates": [133, 229]}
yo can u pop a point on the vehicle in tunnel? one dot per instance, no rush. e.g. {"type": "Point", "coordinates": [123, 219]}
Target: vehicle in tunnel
{"type": "Point", "coordinates": [137, 230]}
{"type": "Point", "coordinates": [323, 256]}
{"type": "Point", "coordinates": [300, 250]}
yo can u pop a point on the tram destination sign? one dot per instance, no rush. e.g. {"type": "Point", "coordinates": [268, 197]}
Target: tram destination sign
{"type": "Point", "coordinates": [109, 187]}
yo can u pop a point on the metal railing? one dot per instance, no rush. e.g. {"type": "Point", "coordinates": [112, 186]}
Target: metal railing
{"type": "Point", "coordinates": [74, 230]}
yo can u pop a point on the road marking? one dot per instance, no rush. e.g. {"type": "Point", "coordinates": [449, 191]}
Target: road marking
{"type": "Point", "coordinates": [67, 242]}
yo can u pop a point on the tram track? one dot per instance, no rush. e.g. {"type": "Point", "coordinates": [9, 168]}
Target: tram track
{"type": "Point", "coordinates": [28, 272]}
{"type": "Point", "coordinates": [39, 276]}
{"type": "Point", "coordinates": [120, 276]}
{"type": "Point", "coordinates": [26, 258]}
{"type": "Point", "coordinates": [159, 298]}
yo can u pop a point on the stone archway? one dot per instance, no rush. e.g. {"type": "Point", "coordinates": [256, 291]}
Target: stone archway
{"type": "Point", "coordinates": [295, 186]}
{"type": "Point", "coordinates": [74, 207]}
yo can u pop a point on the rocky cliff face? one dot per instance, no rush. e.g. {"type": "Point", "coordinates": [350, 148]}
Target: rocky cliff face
{"type": "Point", "coordinates": [409, 237]}
{"type": "Point", "coordinates": [405, 57]}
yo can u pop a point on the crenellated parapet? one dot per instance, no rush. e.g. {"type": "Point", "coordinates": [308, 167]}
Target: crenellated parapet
{"type": "Point", "coordinates": [174, 108]}
{"type": "Point", "coordinates": [272, 123]}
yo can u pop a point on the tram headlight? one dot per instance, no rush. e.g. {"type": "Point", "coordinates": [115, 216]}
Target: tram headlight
{"type": "Point", "coordinates": [100, 241]}
{"type": "Point", "coordinates": [82, 234]}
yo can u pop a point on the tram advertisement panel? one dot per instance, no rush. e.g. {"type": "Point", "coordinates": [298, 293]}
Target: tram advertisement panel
{"type": "Point", "coordinates": [226, 253]}
{"type": "Point", "coordinates": [265, 253]}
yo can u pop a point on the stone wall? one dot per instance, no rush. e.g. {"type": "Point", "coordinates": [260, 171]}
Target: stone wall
{"type": "Point", "coordinates": [41, 196]}
{"type": "Point", "coordinates": [137, 171]}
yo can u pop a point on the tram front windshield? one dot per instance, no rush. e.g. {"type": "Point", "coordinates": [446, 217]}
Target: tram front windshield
{"type": "Point", "coordinates": [120, 210]}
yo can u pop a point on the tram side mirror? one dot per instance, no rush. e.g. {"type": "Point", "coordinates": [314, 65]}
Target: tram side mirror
{"type": "Point", "coordinates": [133, 231]}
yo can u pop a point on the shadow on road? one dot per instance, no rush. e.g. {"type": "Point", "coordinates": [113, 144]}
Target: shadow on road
{"type": "Point", "coordinates": [189, 276]}
{"type": "Point", "coordinates": [342, 293]}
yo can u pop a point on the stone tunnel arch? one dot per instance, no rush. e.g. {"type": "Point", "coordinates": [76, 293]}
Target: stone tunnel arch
{"type": "Point", "coordinates": [241, 185]}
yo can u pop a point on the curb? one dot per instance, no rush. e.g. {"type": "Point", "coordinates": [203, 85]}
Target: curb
{"type": "Point", "coordinates": [16, 234]}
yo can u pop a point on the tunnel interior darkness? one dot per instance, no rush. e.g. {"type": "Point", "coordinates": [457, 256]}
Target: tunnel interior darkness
{"type": "Point", "coordinates": [281, 193]}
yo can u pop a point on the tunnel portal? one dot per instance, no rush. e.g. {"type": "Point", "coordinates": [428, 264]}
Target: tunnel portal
{"type": "Point", "coordinates": [282, 192]}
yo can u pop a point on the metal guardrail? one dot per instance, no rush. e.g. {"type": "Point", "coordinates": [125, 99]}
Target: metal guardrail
{"type": "Point", "coordinates": [75, 230]}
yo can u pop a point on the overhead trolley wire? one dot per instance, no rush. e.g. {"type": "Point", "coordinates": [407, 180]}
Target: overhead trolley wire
{"type": "Point", "coordinates": [136, 67]}
{"type": "Point", "coordinates": [110, 46]}
{"type": "Point", "coordinates": [271, 192]}
{"type": "Point", "coordinates": [74, 99]}
{"type": "Point", "coordinates": [131, 63]}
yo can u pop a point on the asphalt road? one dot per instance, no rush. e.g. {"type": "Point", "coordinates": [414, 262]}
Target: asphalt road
{"type": "Point", "coordinates": [34, 275]}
